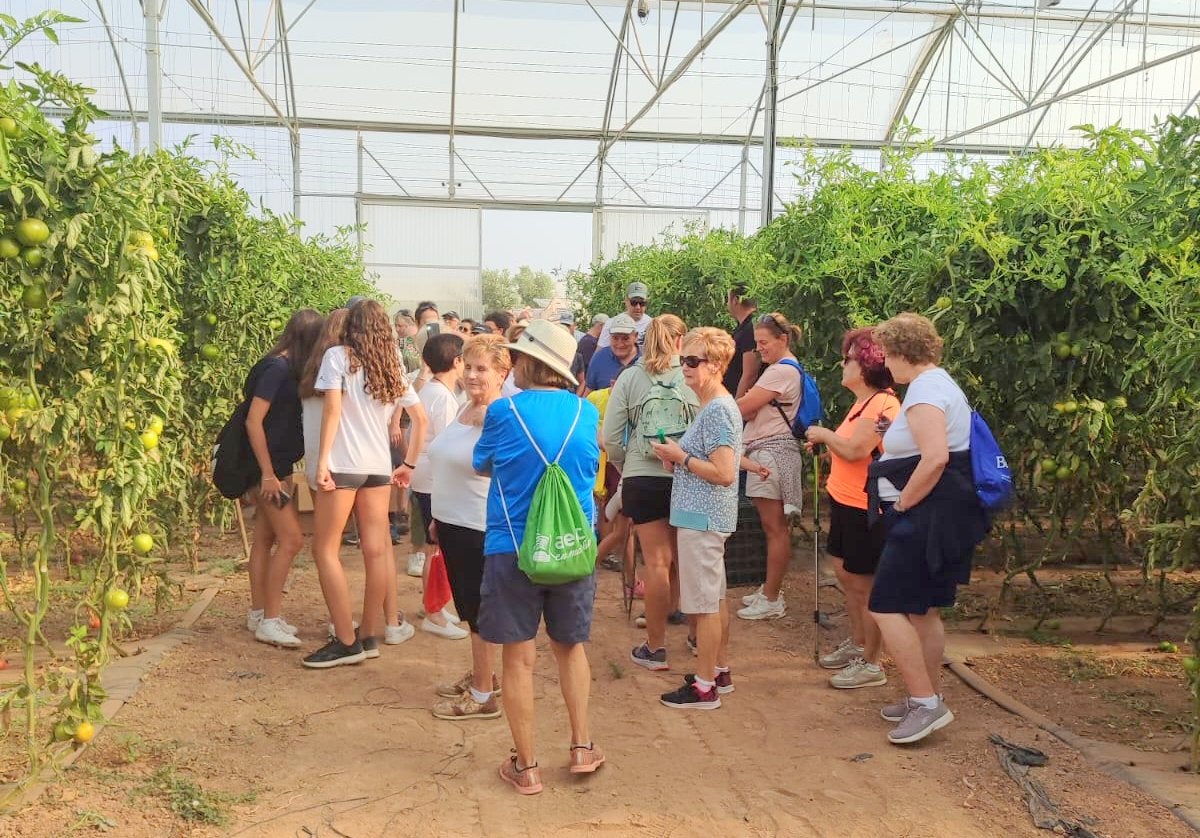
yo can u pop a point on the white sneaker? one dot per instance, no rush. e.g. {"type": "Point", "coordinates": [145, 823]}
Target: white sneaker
{"type": "Point", "coordinates": [750, 599]}
{"type": "Point", "coordinates": [842, 656]}
{"type": "Point", "coordinates": [859, 674]}
{"type": "Point", "coordinates": [416, 564]}
{"type": "Point", "coordinates": [255, 616]}
{"type": "Point", "coordinates": [271, 631]}
{"type": "Point", "coordinates": [764, 609]}
{"type": "Point", "coordinates": [395, 635]}
{"type": "Point", "coordinates": [450, 616]}
{"type": "Point", "coordinates": [449, 631]}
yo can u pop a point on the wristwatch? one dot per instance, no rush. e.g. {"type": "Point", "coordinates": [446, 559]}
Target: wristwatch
{"type": "Point", "coordinates": [687, 460]}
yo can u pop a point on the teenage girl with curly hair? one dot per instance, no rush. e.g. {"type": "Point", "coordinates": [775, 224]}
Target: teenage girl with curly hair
{"type": "Point", "coordinates": [365, 392]}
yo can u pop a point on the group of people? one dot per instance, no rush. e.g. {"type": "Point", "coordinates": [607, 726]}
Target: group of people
{"type": "Point", "coordinates": [658, 428]}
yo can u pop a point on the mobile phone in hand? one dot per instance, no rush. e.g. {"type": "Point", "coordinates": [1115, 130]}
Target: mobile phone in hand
{"type": "Point", "coordinates": [282, 499]}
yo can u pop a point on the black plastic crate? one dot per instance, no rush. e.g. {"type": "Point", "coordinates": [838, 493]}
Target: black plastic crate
{"type": "Point", "coordinates": [746, 548]}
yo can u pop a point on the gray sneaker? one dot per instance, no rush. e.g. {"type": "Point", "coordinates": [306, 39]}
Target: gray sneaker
{"type": "Point", "coordinates": [920, 722]}
{"type": "Point", "coordinates": [842, 656]}
{"type": "Point", "coordinates": [859, 674]}
{"type": "Point", "coordinates": [895, 712]}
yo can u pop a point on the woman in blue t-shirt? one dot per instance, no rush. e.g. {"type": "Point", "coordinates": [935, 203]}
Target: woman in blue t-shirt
{"type": "Point", "coordinates": [545, 418]}
{"type": "Point", "coordinates": [704, 511]}
{"type": "Point", "coordinates": [277, 442]}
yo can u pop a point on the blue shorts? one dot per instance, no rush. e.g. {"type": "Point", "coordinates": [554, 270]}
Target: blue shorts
{"type": "Point", "coordinates": [512, 606]}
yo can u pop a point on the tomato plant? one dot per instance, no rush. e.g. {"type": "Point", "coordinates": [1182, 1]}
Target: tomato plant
{"type": "Point", "coordinates": [111, 268]}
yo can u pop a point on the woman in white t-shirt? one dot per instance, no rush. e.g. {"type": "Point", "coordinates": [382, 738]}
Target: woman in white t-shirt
{"type": "Point", "coordinates": [364, 391]}
{"type": "Point", "coordinates": [932, 520]}
{"type": "Point", "coordinates": [442, 356]}
{"type": "Point", "coordinates": [460, 522]}
{"type": "Point", "coordinates": [772, 456]}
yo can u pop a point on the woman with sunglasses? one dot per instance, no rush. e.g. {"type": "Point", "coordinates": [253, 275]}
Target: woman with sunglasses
{"type": "Point", "coordinates": [774, 483]}
{"type": "Point", "coordinates": [704, 463]}
{"type": "Point", "coordinates": [651, 394]}
{"type": "Point", "coordinates": [854, 543]}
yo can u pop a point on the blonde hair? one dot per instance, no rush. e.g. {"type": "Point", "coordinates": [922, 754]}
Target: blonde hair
{"type": "Point", "coordinates": [911, 336]}
{"type": "Point", "coordinates": [660, 350]}
{"type": "Point", "coordinates": [718, 345]}
{"type": "Point", "coordinates": [492, 347]}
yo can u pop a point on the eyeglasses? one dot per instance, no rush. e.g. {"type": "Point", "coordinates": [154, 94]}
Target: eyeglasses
{"type": "Point", "coordinates": [693, 361]}
{"type": "Point", "coordinates": [848, 358]}
{"type": "Point", "coordinates": [639, 303]}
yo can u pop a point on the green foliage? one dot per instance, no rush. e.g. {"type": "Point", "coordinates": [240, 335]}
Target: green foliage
{"type": "Point", "coordinates": [688, 275]}
{"type": "Point", "coordinates": [504, 290]}
{"type": "Point", "coordinates": [499, 291]}
{"type": "Point", "coordinates": [115, 271]}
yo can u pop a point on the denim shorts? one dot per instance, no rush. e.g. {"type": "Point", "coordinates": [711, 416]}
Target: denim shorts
{"type": "Point", "coordinates": [512, 606]}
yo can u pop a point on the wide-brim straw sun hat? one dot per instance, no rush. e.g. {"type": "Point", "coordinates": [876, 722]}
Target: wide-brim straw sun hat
{"type": "Point", "coordinates": [549, 343]}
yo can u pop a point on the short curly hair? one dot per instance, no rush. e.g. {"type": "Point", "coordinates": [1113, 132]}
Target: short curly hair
{"type": "Point", "coordinates": [718, 345]}
{"type": "Point", "coordinates": [869, 355]}
{"type": "Point", "coordinates": [911, 337]}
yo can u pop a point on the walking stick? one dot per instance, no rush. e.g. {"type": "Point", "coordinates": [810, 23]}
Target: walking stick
{"type": "Point", "coordinates": [816, 558]}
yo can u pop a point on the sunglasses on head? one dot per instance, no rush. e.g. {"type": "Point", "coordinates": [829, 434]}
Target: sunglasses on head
{"type": "Point", "coordinates": [769, 320]}
{"type": "Point", "coordinates": [693, 361]}
{"type": "Point", "coordinates": [637, 302]}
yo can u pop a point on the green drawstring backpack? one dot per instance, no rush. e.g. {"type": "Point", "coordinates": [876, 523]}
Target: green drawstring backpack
{"type": "Point", "coordinates": [558, 546]}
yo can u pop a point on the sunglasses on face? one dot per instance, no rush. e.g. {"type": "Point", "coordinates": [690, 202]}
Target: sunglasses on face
{"type": "Point", "coordinates": [693, 361]}
{"type": "Point", "coordinates": [464, 330]}
{"type": "Point", "coordinates": [640, 303]}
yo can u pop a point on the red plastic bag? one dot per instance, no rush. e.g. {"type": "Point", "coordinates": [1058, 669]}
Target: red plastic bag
{"type": "Point", "coordinates": [437, 588]}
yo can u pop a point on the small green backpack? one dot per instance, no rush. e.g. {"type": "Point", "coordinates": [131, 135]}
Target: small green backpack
{"type": "Point", "coordinates": [666, 412]}
{"type": "Point", "coordinates": [558, 545]}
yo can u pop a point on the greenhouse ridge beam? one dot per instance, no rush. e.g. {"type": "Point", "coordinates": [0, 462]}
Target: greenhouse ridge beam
{"type": "Point", "coordinates": [519, 133]}
{"type": "Point", "coordinates": [920, 67]}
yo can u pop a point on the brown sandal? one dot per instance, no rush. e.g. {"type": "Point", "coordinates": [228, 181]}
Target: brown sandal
{"type": "Point", "coordinates": [586, 758]}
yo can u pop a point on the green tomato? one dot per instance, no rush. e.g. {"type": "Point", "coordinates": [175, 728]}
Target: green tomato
{"type": "Point", "coordinates": [34, 297]}
{"type": "Point", "coordinates": [149, 439]}
{"type": "Point", "coordinates": [942, 303]}
{"type": "Point", "coordinates": [1070, 406]}
{"type": "Point", "coordinates": [1191, 665]}
{"type": "Point", "coordinates": [1048, 464]}
{"type": "Point", "coordinates": [116, 599]}
{"type": "Point", "coordinates": [156, 424]}
{"type": "Point", "coordinates": [1063, 351]}
{"type": "Point", "coordinates": [9, 127]}
{"type": "Point", "coordinates": [143, 543]}
{"type": "Point", "coordinates": [33, 258]}
{"type": "Point", "coordinates": [1118, 403]}
{"type": "Point", "coordinates": [1075, 350]}
{"type": "Point", "coordinates": [18, 485]}
{"type": "Point", "coordinates": [275, 324]}
{"type": "Point", "coordinates": [5, 432]}
{"type": "Point", "coordinates": [9, 398]}
{"type": "Point", "coordinates": [1168, 647]}
{"type": "Point", "coordinates": [210, 352]}
{"type": "Point", "coordinates": [9, 249]}
{"type": "Point", "coordinates": [1062, 473]}
{"type": "Point", "coordinates": [210, 319]}
{"type": "Point", "coordinates": [29, 402]}
{"type": "Point", "coordinates": [32, 231]}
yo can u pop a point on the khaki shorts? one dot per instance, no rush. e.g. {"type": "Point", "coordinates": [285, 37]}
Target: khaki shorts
{"type": "Point", "coordinates": [701, 570]}
{"type": "Point", "coordinates": [758, 487]}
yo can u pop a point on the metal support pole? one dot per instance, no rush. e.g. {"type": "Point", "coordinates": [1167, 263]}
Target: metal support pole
{"type": "Point", "coordinates": [769, 101]}
{"type": "Point", "coordinates": [358, 207]}
{"type": "Point", "coordinates": [453, 91]}
{"type": "Point", "coordinates": [150, 12]}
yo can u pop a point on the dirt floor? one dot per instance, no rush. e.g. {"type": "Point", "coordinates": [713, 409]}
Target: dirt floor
{"type": "Point", "coordinates": [230, 737]}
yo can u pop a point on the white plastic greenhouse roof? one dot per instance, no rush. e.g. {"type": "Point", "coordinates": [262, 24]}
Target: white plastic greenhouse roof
{"type": "Point", "coordinates": [537, 92]}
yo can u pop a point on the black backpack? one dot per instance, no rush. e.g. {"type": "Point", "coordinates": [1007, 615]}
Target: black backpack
{"type": "Point", "coordinates": [234, 467]}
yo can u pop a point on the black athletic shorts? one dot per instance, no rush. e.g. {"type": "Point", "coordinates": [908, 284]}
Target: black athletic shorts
{"type": "Point", "coordinates": [425, 504]}
{"type": "Point", "coordinates": [852, 541]}
{"type": "Point", "coordinates": [462, 548]}
{"type": "Point", "coordinates": [646, 499]}
{"type": "Point", "coordinates": [359, 481]}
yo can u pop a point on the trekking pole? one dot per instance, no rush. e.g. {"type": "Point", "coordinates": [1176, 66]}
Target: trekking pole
{"type": "Point", "coordinates": [816, 558]}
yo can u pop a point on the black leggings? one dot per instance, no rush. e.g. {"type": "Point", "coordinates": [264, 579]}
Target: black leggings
{"type": "Point", "coordinates": [462, 548]}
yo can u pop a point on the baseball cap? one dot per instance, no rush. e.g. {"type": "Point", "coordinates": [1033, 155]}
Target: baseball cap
{"type": "Point", "coordinates": [622, 324]}
{"type": "Point", "coordinates": [637, 291]}
{"type": "Point", "coordinates": [566, 316]}
{"type": "Point", "coordinates": [450, 314]}
{"type": "Point", "coordinates": [599, 318]}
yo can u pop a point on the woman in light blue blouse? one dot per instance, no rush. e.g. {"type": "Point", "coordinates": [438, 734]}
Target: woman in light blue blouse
{"type": "Point", "coordinates": [704, 509]}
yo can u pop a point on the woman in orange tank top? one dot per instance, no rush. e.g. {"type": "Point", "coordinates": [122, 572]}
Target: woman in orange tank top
{"type": "Point", "coordinates": [855, 546]}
